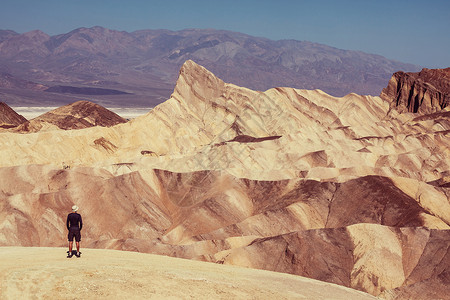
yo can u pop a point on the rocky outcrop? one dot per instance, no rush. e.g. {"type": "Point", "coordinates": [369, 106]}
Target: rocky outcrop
{"type": "Point", "coordinates": [9, 118]}
{"type": "Point", "coordinates": [78, 115]}
{"type": "Point", "coordinates": [427, 91]}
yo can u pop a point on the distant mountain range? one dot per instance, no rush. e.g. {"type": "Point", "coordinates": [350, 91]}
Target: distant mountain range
{"type": "Point", "coordinates": [141, 67]}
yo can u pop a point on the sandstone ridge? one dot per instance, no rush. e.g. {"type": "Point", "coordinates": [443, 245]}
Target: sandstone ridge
{"type": "Point", "coordinates": [427, 91]}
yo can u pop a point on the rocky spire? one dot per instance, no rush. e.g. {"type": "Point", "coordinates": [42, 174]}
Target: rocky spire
{"type": "Point", "coordinates": [427, 91]}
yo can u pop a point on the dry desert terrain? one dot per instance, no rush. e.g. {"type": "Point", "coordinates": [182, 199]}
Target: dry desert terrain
{"type": "Point", "coordinates": [351, 191]}
{"type": "Point", "coordinates": [45, 273]}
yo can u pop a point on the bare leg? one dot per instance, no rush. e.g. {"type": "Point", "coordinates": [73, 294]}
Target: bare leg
{"type": "Point", "coordinates": [78, 246]}
{"type": "Point", "coordinates": [70, 247]}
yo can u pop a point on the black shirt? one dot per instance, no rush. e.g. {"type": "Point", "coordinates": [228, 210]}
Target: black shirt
{"type": "Point", "coordinates": [74, 221]}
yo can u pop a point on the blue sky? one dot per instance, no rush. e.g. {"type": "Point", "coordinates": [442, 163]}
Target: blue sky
{"type": "Point", "coordinates": [411, 31]}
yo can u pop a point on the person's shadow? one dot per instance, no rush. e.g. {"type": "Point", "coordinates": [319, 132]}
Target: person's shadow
{"type": "Point", "coordinates": [74, 252]}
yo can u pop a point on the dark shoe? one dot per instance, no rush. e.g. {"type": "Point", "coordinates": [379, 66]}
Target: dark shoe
{"type": "Point", "coordinates": [77, 254]}
{"type": "Point", "coordinates": [69, 255]}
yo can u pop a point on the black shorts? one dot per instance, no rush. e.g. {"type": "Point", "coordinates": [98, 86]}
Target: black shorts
{"type": "Point", "coordinates": [74, 233]}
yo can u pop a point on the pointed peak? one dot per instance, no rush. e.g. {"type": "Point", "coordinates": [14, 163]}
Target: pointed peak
{"type": "Point", "coordinates": [190, 66]}
{"type": "Point", "coordinates": [191, 71]}
{"type": "Point", "coordinates": [196, 81]}
{"type": "Point", "coordinates": [195, 77]}
{"type": "Point", "coordinates": [36, 33]}
{"type": "Point", "coordinates": [94, 29]}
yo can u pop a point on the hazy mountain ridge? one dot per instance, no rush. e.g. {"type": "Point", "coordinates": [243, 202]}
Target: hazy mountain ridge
{"type": "Point", "coordinates": [145, 60]}
{"type": "Point", "coordinates": [6, 34]}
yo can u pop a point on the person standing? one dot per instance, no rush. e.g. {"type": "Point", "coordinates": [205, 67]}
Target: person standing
{"type": "Point", "coordinates": [74, 224]}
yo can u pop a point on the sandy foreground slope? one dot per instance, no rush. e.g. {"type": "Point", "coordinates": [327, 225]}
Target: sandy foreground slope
{"type": "Point", "coordinates": [108, 274]}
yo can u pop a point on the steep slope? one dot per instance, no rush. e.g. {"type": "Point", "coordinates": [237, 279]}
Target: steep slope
{"type": "Point", "coordinates": [372, 258]}
{"type": "Point", "coordinates": [427, 91]}
{"type": "Point", "coordinates": [8, 117]}
{"type": "Point", "coordinates": [77, 115]}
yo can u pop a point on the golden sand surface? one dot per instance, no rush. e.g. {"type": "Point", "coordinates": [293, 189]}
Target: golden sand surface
{"type": "Point", "coordinates": [46, 273]}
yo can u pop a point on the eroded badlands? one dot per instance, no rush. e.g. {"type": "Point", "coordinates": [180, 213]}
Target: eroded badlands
{"type": "Point", "coordinates": [345, 190]}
